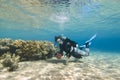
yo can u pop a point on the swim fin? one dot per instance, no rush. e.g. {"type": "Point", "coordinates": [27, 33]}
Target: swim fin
{"type": "Point", "coordinates": [88, 42]}
{"type": "Point", "coordinates": [93, 37]}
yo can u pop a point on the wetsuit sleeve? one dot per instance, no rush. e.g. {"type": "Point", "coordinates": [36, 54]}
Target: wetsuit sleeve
{"type": "Point", "coordinates": [61, 49]}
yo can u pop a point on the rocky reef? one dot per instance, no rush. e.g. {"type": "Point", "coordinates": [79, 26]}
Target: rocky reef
{"type": "Point", "coordinates": [13, 51]}
{"type": "Point", "coordinates": [10, 61]}
{"type": "Point", "coordinates": [27, 50]}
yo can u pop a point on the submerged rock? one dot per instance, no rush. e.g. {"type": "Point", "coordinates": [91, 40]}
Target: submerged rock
{"type": "Point", "coordinates": [27, 50]}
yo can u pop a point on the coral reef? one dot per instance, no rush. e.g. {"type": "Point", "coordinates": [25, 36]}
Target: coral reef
{"type": "Point", "coordinates": [13, 51]}
{"type": "Point", "coordinates": [27, 50]}
{"type": "Point", "coordinates": [10, 61]}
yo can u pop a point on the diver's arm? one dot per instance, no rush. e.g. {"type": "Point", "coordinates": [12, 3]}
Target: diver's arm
{"type": "Point", "coordinates": [68, 55]}
{"type": "Point", "coordinates": [61, 49]}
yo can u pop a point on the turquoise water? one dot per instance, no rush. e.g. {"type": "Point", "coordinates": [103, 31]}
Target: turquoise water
{"type": "Point", "coordinates": [76, 19]}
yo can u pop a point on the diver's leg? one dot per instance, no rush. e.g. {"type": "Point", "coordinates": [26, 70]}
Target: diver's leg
{"type": "Point", "coordinates": [84, 52]}
{"type": "Point", "coordinates": [87, 50]}
{"type": "Point", "coordinates": [79, 52]}
{"type": "Point", "coordinates": [82, 47]}
{"type": "Point", "coordinates": [86, 46]}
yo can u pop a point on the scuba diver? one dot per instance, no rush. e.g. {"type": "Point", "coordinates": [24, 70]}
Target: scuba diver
{"type": "Point", "coordinates": [71, 48]}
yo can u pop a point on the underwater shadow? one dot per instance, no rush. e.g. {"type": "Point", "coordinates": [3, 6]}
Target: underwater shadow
{"type": "Point", "coordinates": [57, 61]}
{"type": "Point", "coordinates": [76, 61]}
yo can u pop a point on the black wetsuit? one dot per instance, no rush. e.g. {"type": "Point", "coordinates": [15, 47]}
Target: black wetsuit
{"type": "Point", "coordinates": [66, 46]}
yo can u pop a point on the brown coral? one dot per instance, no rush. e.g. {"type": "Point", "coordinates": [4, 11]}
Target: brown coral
{"type": "Point", "coordinates": [28, 50]}
{"type": "Point", "coordinates": [10, 61]}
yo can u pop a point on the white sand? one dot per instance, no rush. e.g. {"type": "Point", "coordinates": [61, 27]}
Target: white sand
{"type": "Point", "coordinates": [98, 66]}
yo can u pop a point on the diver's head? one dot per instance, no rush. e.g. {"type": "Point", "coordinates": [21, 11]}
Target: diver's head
{"type": "Point", "coordinates": [56, 38]}
{"type": "Point", "coordinates": [59, 39]}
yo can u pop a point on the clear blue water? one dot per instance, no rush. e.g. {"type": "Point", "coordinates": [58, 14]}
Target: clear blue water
{"type": "Point", "coordinates": [76, 19]}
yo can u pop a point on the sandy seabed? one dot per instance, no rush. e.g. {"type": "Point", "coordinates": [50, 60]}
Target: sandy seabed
{"type": "Point", "coordinates": [98, 66]}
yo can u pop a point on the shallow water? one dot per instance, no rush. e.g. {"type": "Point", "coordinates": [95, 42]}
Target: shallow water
{"type": "Point", "coordinates": [76, 19]}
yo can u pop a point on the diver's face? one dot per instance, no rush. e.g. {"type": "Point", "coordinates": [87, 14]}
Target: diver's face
{"type": "Point", "coordinates": [59, 41]}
